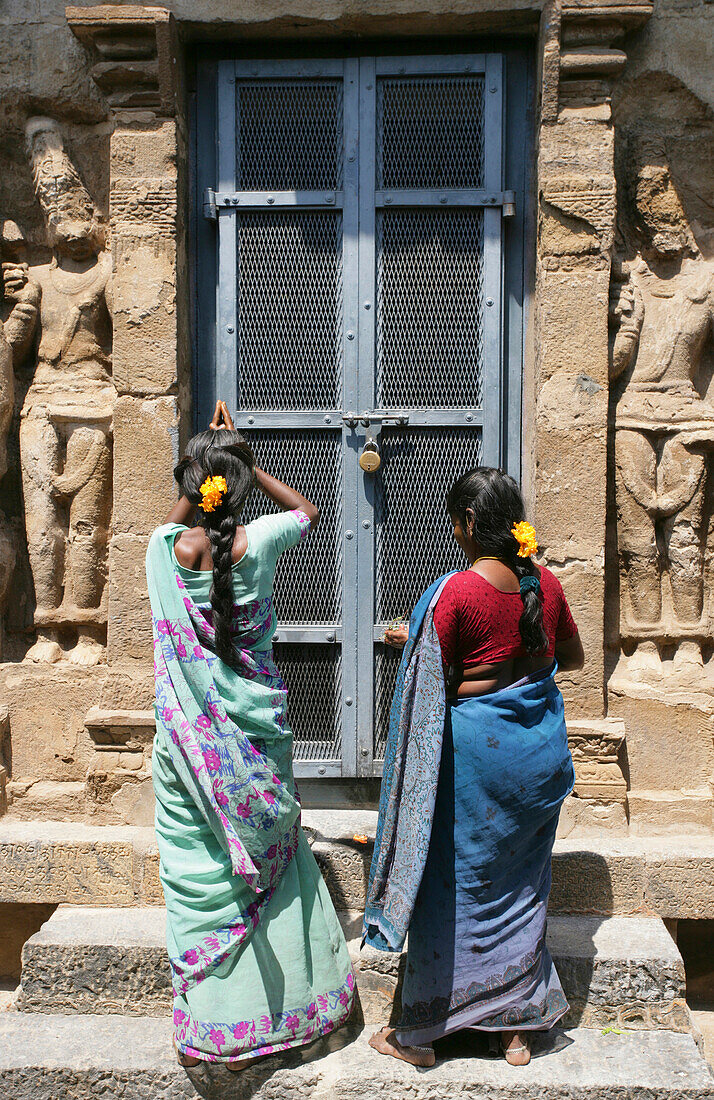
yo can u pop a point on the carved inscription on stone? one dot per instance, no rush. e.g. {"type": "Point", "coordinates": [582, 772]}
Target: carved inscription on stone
{"type": "Point", "coordinates": [80, 872]}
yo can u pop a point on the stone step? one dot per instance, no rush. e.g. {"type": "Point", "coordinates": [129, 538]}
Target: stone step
{"type": "Point", "coordinates": [130, 1058]}
{"type": "Point", "coordinates": [67, 862]}
{"type": "Point", "coordinates": [622, 971]}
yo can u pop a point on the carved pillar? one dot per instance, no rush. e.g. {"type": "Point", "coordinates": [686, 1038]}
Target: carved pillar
{"type": "Point", "coordinates": [580, 56]}
{"type": "Point", "coordinates": [136, 65]}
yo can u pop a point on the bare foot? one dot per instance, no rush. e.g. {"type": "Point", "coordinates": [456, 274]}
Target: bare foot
{"type": "Point", "coordinates": [46, 649]}
{"type": "Point", "coordinates": [516, 1048]}
{"type": "Point", "coordinates": [385, 1041]}
{"type": "Point", "coordinates": [88, 651]}
{"type": "Point", "coordinates": [236, 1067]}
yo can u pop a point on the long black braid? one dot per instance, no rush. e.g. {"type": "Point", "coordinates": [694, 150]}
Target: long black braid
{"type": "Point", "coordinates": [494, 503]}
{"type": "Point", "coordinates": [210, 454]}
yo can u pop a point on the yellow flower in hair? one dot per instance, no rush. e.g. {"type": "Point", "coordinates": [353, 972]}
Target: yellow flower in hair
{"type": "Point", "coordinates": [212, 492]}
{"type": "Point", "coordinates": [525, 535]}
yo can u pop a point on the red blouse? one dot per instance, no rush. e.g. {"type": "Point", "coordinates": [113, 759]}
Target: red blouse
{"type": "Point", "coordinates": [478, 624]}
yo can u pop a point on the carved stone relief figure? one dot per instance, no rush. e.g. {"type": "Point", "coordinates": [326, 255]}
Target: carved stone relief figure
{"type": "Point", "coordinates": [663, 339]}
{"type": "Point", "coordinates": [19, 302]}
{"type": "Point", "coordinates": [65, 430]}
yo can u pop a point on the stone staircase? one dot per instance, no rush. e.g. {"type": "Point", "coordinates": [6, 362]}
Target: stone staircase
{"type": "Point", "coordinates": [91, 1017]}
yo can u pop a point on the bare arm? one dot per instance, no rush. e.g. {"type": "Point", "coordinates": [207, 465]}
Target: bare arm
{"type": "Point", "coordinates": [182, 512]}
{"type": "Point", "coordinates": [281, 494]}
{"type": "Point", "coordinates": [570, 654]}
{"type": "Point", "coordinates": [286, 498]}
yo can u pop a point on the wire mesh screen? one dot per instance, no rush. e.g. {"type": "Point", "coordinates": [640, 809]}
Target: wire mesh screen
{"type": "Point", "coordinates": [430, 131]}
{"type": "Point", "coordinates": [308, 588]}
{"type": "Point", "coordinates": [289, 135]}
{"type": "Point", "coordinates": [429, 308]}
{"type": "Point", "coordinates": [290, 310]}
{"type": "Point", "coordinates": [313, 674]}
{"type": "Point", "coordinates": [386, 664]}
{"type": "Point", "coordinates": [414, 542]}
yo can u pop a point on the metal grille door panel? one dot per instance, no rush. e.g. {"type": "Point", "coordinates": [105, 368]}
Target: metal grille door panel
{"type": "Point", "coordinates": [308, 588]}
{"type": "Point", "coordinates": [290, 308]}
{"type": "Point", "coordinates": [289, 134]}
{"type": "Point", "coordinates": [414, 541]}
{"type": "Point", "coordinates": [429, 305]}
{"type": "Point", "coordinates": [358, 206]}
{"type": "Point", "coordinates": [430, 131]}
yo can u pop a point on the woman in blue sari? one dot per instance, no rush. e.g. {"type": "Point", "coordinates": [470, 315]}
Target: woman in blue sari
{"type": "Point", "coordinates": [476, 769]}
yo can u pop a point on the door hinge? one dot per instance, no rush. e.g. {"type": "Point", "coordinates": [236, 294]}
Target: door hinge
{"type": "Point", "coordinates": [210, 208]}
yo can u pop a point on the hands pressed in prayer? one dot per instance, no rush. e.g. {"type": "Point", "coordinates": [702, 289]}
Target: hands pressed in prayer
{"type": "Point", "coordinates": [221, 417]}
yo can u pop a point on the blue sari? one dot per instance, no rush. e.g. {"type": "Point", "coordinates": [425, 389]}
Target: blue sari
{"type": "Point", "coordinates": [469, 809]}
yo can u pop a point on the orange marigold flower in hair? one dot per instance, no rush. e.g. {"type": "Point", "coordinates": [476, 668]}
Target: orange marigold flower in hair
{"type": "Point", "coordinates": [525, 536]}
{"type": "Point", "coordinates": [212, 492]}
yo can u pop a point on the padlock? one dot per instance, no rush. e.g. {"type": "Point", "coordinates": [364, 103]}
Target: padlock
{"type": "Point", "coordinates": [369, 460]}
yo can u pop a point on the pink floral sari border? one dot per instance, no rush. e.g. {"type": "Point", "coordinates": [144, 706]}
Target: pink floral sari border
{"type": "Point", "coordinates": [267, 1034]}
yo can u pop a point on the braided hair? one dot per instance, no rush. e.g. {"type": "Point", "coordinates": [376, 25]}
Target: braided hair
{"type": "Point", "coordinates": [496, 504]}
{"type": "Point", "coordinates": [225, 453]}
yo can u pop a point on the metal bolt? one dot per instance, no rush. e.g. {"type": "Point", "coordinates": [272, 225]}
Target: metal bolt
{"type": "Point", "coordinates": [321, 771]}
{"type": "Point", "coordinates": [365, 752]}
{"type": "Point", "coordinates": [469, 416]}
{"type": "Point", "coordinates": [350, 335]}
{"type": "Point", "coordinates": [229, 328]}
{"type": "Point", "coordinates": [327, 419]}
{"type": "Point", "coordinates": [367, 305]}
{"type": "Point", "coordinates": [348, 701]}
{"type": "Point", "coordinates": [365, 524]}
{"type": "Point", "coordinates": [443, 198]}
{"type": "Point", "coordinates": [387, 198]}
{"type": "Point", "coordinates": [251, 420]}
{"type": "Point", "coordinates": [493, 88]}
{"type": "Point", "coordinates": [330, 637]}
{"type": "Point", "coordinates": [349, 534]}
{"type": "Point", "coordinates": [276, 637]}
{"type": "Point", "coordinates": [271, 200]}
{"type": "Point", "coordinates": [329, 198]}
{"type": "Point", "coordinates": [489, 301]}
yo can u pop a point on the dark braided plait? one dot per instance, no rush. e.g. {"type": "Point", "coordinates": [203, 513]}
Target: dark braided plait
{"type": "Point", "coordinates": [210, 454]}
{"type": "Point", "coordinates": [495, 504]}
{"type": "Point", "coordinates": [221, 538]}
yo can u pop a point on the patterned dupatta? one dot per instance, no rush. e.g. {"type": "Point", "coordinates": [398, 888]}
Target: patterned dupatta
{"type": "Point", "coordinates": [409, 780]}
{"type": "Point", "coordinates": [200, 702]}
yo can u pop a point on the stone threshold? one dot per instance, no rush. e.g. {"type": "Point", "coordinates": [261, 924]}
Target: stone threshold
{"type": "Point", "coordinates": [130, 1058]}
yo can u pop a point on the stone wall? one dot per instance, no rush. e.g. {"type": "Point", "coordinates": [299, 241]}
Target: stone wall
{"type": "Point", "coordinates": [95, 387]}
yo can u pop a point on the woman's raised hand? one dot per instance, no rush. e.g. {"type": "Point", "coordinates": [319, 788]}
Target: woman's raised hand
{"type": "Point", "coordinates": [221, 417]}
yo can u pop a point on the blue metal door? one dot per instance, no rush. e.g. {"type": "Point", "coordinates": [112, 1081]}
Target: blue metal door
{"type": "Point", "coordinates": [357, 209]}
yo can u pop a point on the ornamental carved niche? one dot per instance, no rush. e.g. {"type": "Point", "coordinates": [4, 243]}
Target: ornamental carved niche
{"type": "Point", "coordinates": [66, 421]}
{"type": "Point", "coordinates": [662, 362]}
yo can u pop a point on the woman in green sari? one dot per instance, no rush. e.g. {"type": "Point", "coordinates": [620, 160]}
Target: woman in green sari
{"type": "Point", "coordinates": [258, 957]}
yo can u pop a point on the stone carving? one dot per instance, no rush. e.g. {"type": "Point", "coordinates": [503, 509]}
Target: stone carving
{"type": "Point", "coordinates": [662, 312]}
{"type": "Point", "coordinates": [577, 220]}
{"type": "Point", "coordinates": [65, 431]}
{"type": "Point", "coordinates": [595, 747]}
{"type": "Point", "coordinates": [19, 302]}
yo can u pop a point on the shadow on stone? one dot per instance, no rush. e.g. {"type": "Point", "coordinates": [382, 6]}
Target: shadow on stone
{"type": "Point", "coordinates": [214, 1082]}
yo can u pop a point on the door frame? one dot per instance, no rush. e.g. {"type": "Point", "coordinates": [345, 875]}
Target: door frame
{"type": "Point", "coordinates": [518, 157]}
